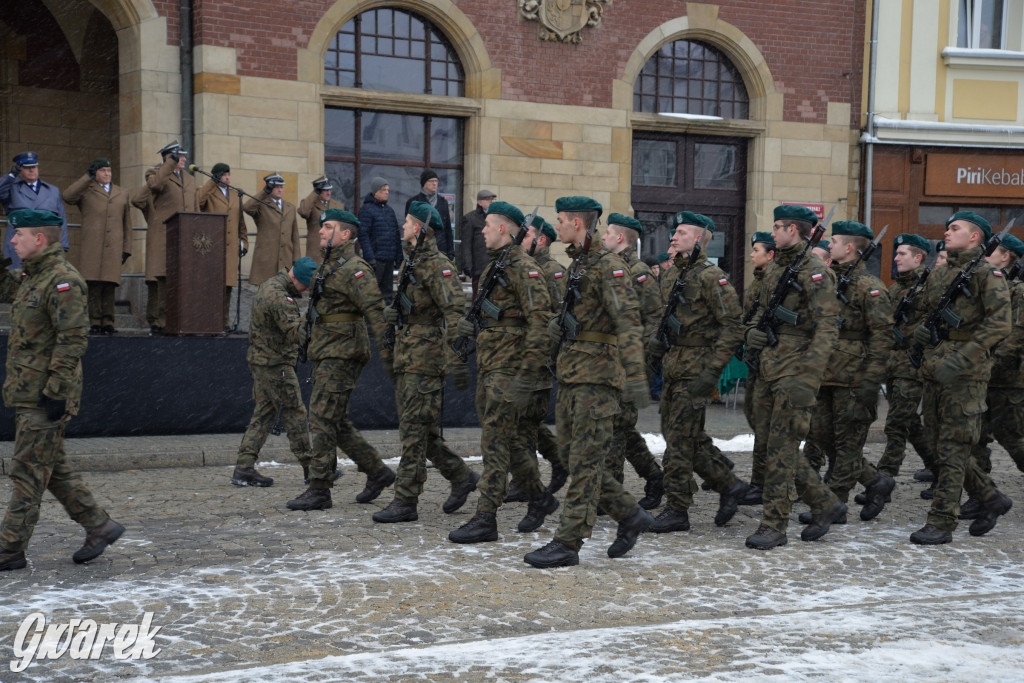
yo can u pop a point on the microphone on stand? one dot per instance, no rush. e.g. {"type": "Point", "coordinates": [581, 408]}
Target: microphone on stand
{"type": "Point", "coordinates": [193, 169]}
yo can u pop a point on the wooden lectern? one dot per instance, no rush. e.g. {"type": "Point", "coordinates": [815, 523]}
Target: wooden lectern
{"type": "Point", "coordinates": [195, 273]}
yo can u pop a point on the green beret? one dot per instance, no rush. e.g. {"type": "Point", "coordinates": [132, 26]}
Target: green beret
{"type": "Point", "coordinates": [824, 244]}
{"type": "Point", "coordinates": [538, 222]}
{"type": "Point", "coordinates": [762, 238]}
{"type": "Point", "coordinates": [626, 222]}
{"type": "Point", "coordinates": [663, 256]}
{"type": "Point", "coordinates": [97, 164]}
{"type": "Point", "coordinates": [972, 217]}
{"type": "Point", "coordinates": [691, 218]}
{"type": "Point", "coordinates": [338, 215]}
{"type": "Point", "coordinates": [303, 270]}
{"type": "Point", "coordinates": [940, 246]}
{"type": "Point", "coordinates": [577, 204]}
{"type": "Point", "coordinates": [911, 241]}
{"type": "Point", "coordinates": [33, 218]}
{"type": "Point", "coordinates": [796, 212]}
{"type": "Point", "coordinates": [508, 211]}
{"type": "Point", "coordinates": [1013, 244]}
{"type": "Point", "coordinates": [435, 220]}
{"type": "Point", "coordinates": [852, 228]}
{"type": "Point", "coordinates": [219, 169]}
{"type": "Point", "coordinates": [421, 212]}
{"type": "Point", "coordinates": [549, 231]}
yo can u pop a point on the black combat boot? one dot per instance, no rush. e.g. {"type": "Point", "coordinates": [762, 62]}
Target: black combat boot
{"type": "Point", "coordinates": [654, 490]}
{"type": "Point", "coordinates": [396, 511]}
{"type": "Point", "coordinates": [992, 510]}
{"type": "Point", "coordinates": [930, 534]}
{"type": "Point", "coordinates": [538, 509]}
{"type": "Point", "coordinates": [878, 491]}
{"type": "Point", "coordinates": [972, 509]}
{"type": "Point", "coordinates": [481, 528]}
{"type": "Point", "coordinates": [12, 559]}
{"type": "Point", "coordinates": [248, 476]}
{"type": "Point", "coordinates": [554, 554]}
{"type": "Point", "coordinates": [559, 475]}
{"type": "Point", "coordinates": [929, 493]}
{"type": "Point", "coordinates": [375, 484]}
{"type": "Point", "coordinates": [670, 520]}
{"type": "Point", "coordinates": [924, 475]}
{"type": "Point", "coordinates": [753, 496]}
{"type": "Point", "coordinates": [460, 492]}
{"type": "Point", "coordinates": [515, 494]}
{"type": "Point", "coordinates": [311, 499]}
{"type": "Point", "coordinates": [820, 523]}
{"type": "Point", "coordinates": [765, 538]}
{"type": "Point", "coordinates": [629, 530]}
{"type": "Point", "coordinates": [97, 540]}
{"type": "Point", "coordinates": [808, 518]}
{"type": "Point", "coordinates": [729, 503]}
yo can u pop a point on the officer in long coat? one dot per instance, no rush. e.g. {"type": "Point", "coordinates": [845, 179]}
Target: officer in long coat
{"type": "Point", "coordinates": [310, 208]}
{"type": "Point", "coordinates": [277, 231]}
{"type": "Point", "coordinates": [215, 197]}
{"type": "Point", "coordinates": [22, 189]}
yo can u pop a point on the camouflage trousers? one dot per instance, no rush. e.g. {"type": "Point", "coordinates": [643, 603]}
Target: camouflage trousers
{"type": "Point", "coordinates": [902, 424]}
{"type": "Point", "coordinates": [1002, 422]}
{"type": "Point", "coordinates": [544, 442]}
{"type": "Point", "coordinates": [419, 399]}
{"type": "Point", "coordinates": [783, 419]}
{"type": "Point", "coordinates": [584, 416]}
{"type": "Point", "coordinates": [952, 420]}
{"type": "Point", "coordinates": [39, 465]}
{"type": "Point", "coordinates": [682, 424]}
{"type": "Point", "coordinates": [505, 437]}
{"type": "Point", "coordinates": [760, 449]}
{"type": "Point", "coordinates": [274, 387]}
{"type": "Point", "coordinates": [333, 382]}
{"type": "Point", "coordinates": [839, 426]}
{"type": "Point", "coordinates": [629, 444]}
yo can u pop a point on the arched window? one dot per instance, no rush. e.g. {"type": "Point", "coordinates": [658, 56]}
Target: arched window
{"type": "Point", "coordinates": [691, 77]}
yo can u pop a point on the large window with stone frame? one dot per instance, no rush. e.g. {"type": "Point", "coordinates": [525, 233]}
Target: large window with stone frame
{"type": "Point", "coordinates": [691, 77]}
{"type": "Point", "coordinates": [399, 51]}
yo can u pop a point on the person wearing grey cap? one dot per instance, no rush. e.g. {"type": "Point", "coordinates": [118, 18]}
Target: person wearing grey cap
{"type": "Point", "coordinates": [310, 208]}
{"type": "Point", "coordinates": [380, 237]}
{"type": "Point", "coordinates": [429, 195]}
{"type": "Point", "coordinates": [473, 255]}
{"type": "Point", "coordinates": [22, 189]}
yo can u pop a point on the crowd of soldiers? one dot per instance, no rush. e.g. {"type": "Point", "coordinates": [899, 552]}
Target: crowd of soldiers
{"type": "Point", "coordinates": [820, 334]}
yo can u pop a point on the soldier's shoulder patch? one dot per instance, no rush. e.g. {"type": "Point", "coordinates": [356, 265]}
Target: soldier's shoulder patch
{"type": "Point", "coordinates": [816, 277]}
{"type": "Point", "coordinates": [874, 292]}
{"type": "Point", "coordinates": [722, 281]}
{"type": "Point", "coordinates": [290, 300]}
{"type": "Point", "coordinates": [642, 277]}
{"type": "Point", "coordinates": [559, 274]}
{"type": "Point", "coordinates": [997, 272]}
{"type": "Point", "coordinates": [618, 272]}
{"type": "Point", "coordinates": [63, 286]}
{"type": "Point", "coordinates": [446, 272]}
{"type": "Point", "coordinates": [359, 274]}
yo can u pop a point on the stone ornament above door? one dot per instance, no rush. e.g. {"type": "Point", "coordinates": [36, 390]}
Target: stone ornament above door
{"type": "Point", "coordinates": [563, 20]}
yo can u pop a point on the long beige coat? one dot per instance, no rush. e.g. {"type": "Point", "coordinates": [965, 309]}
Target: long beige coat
{"type": "Point", "coordinates": [277, 238]}
{"type": "Point", "coordinates": [106, 229]}
{"type": "Point", "coordinates": [163, 195]}
{"type": "Point", "coordinates": [310, 208]}
{"type": "Point", "coordinates": [212, 200]}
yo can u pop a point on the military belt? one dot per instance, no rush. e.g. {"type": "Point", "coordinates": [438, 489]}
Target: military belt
{"type": "Point", "coordinates": [504, 322]}
{"type": "Point", "coordinates": [598, 337]}
{"type": "Point", "coordinates": [692, 342]}
{"type": "Point", "coordinates": [855, 335]}
{"type": "Point", "coordinates": [341, 317]}
{"type": "Point", "coordinates": [959, 335]}
{"type": "Point", "coordinates": [793, 332]}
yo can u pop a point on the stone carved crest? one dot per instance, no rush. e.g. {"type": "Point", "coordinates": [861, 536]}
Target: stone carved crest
{"type": "Point", "coordinates": [563, 20]}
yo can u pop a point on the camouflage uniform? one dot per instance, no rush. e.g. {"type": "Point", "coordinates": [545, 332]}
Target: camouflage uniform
{"type": "Point", "coordinates": [546, 443]}
{"type": "Point", "coordinates": [904, 389]}
{"type": "Point", "coordinates": [506, 348]}
{"type": "Point", "coordinates": [627, 442]}
{"type": "Point", "coordinates": [339, 349]}
{"type": "Point", "coordinates": [788, 379]}
{"type": "Point", "coordinates": [420, 357]}
{"type": "Point", "coordinates": [952, 412]}
{"type": "Point", "coordinates": [751, 302]}
{"type": "Point", "coordinates": [47, 341]}
{"type": "Point", "coordinates": [842, 415]}
{"type": "Point", "coordinates": [274, 329]}
{"type": "Point", "coordinates": [591, 372]}
{"type": "Point", "coordinates": [709, 336]}
{"type": "Point", "coordinates": [1004, 419]}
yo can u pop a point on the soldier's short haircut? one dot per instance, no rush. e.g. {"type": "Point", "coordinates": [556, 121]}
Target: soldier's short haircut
{"type": "Point", "coordinates": [586, 217]}
{"type": "Point", "coordinates": [632, 236]}
{"type": "Point", "coordinates": [425, 229]}
{"type": "Point", "coordinates": [803, 228]}
{"type": "Point", "coordinates": [505, 220]}
{"type": "Point", "coordinates": [916, 251]}
{"type": "Point", "coordinates": [1013, 256]}
{"type": "Point", "coordinates": [50, 232]}
{"type": "Point", "coordinates": [859, 242]}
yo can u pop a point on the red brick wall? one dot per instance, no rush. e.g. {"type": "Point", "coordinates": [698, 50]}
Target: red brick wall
{"type": "Point", "coordinates": [814, 49]}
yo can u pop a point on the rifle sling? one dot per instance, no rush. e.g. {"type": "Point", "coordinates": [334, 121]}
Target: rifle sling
{"type": "Point", "coordinates": [598, 337]}
{"type": "Point", "coordinates": [486, 323]}
{"type": "Point", "coordinates": [958, 335]}
{"type": "Point", "coordinates": [341, 318]}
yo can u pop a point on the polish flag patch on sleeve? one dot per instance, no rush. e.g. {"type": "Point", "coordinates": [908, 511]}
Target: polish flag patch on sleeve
{"type": "Point", "coordinates": [816, 277]}
{"type": "Point", "coordinates": [359, 274]}
{"type": "Point", "coordinates": [723, 281]}
{"type": "Point", "coordinates": [290, 300]}
{"type": "Point", "coordinates": [874, 292]}
{"type": "Point", "coordinates": [534, 273]}
{"type": "Point", "coordinates": [446, 272]}
{"type": "Point", "coordinates": [63, 287]}
{"type": "Point", "coordinates": [559, 274]}
{"type": "Point", "coordinates": [997, 273]}
{"type": "Point", "coordinates": [642, 278]}
{"type": "Point", "coordinates": [617, 273]}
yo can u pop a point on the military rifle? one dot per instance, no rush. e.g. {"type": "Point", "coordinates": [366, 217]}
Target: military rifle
{"type": "Point", "coordinates": [533, 246]}
{"type": "Point", "coordinates": [670, 326]}
{"type": "Point", "coordinates": [567, 322]}
{"type": "Point", "coordinates": [900, 315]}
{"type": "Point", "coordinates": [943, 314]}
{"type": "Point", "coordinates": [1015, 270]}
{"type": "Point", "coordinates": [278, 426]}
{"type": "Point", "coordinates": [404, 303]}
{"type": "Point", "coordinates": [863, 255]}
{"type": "Point", "coordinates": [482, 305]}
{"type": "Point", "coordinates": [316, 291]}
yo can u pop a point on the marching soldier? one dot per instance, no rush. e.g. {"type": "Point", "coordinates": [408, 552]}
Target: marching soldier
{"type": "Point", "coordinates": [709, 334]}
{"type": "Point", "coordinates": [274, 329]}
{"type": "Point", "coordinates": [277, 231]}
{"type": "Point", "coordinates": [340, 349]}
{"type": "Point", "coordinates": [511, 339]}
{"type": "Point", "coordinates": [310, 208]}
{"type": "Point", "coordinates": [602, 365]}
{"type": "Point", "coordinates": [215, 197]}
{"type": "Point", "coordinates": [956, 373]}
{"type": "Point", "coordinates": [787, 383]}
{"type": "Point", "coordinates": [106, 239]}
{"type": "Point", "coordinates": [431, 306]}
{"type": "Point", "coordinates": [44, 385]}
{"type": "Point", "coordinates": [847, 401]}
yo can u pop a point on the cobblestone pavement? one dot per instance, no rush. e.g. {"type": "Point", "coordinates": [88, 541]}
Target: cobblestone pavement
{"type": "Point", "coordinates": [243, 589]}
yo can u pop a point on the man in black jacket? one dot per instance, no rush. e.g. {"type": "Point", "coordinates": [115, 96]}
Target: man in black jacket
{"type": "Point", "coordinates": [473, 257]}
{"type": "Point", "coordinates": [445, 239]}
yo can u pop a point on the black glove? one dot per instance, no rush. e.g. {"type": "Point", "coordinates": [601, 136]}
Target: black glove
{"type": "Point", "coordinates": [15, 169]}
{"type": "Point", "coordinates": [703, 384]}
{"type": "Point", "coordinates": [268, 188]}
{"type": "Point", "coordinates": [91, 173]}
{"type": "Point", "coordinates": [55, 408]}
{"type": "Point", "coordinates": [242, 251]}
{"type": "Point", "coordinates": [373, 265]}
{"type": "Point", "coordinates": [124, 257]}
{"type": "Point", "coordinates": [520, 393]}
{"type": "Point", "coordinates": [655, 347]}
{"type": "Point", "coordinates": [867, 392]}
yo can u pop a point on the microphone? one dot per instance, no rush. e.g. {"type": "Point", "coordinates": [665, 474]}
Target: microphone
{"type": "Point", "coordinates": [192, 168]}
